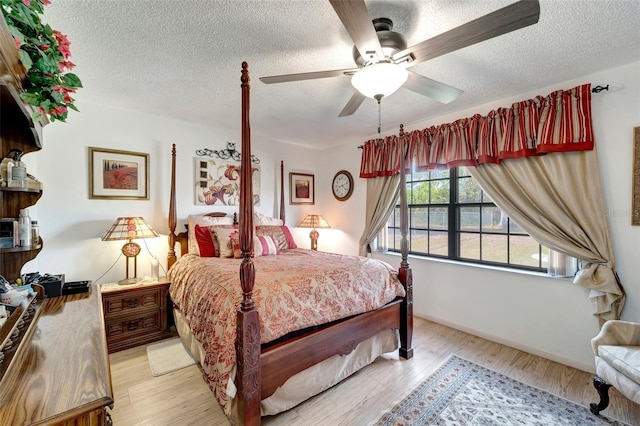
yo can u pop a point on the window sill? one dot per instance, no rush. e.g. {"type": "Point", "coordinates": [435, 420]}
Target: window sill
{"type": "Point", "coordinates": [478, 265]}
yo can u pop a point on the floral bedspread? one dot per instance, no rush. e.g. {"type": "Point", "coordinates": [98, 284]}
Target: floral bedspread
{"type": "Point", "coordinates": [294, 290]}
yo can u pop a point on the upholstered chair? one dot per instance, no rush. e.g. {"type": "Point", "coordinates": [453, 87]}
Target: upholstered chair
{"type": "Point", "coordinates": [617, 351]}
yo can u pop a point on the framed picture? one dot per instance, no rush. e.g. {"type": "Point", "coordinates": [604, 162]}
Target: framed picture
{"type": "Point", "coordinates": [118, 175]}
{"type": "Point", "coordinates": [217, 182]}
{"type": "Point", "coordinates": [635, 208]}
{"type": "Point", "coordinates": [302, 189]}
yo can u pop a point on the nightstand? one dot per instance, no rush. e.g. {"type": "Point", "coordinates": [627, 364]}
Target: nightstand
{"type": "Point", "coordinates": [135, 314]}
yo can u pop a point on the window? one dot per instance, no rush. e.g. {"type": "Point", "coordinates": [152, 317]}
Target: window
{"type": "Point", "coordinates": [451, 217]}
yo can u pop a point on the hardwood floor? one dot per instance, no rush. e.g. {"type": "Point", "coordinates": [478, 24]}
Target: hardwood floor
{"type": "Point", "coordinates": [183, 398]}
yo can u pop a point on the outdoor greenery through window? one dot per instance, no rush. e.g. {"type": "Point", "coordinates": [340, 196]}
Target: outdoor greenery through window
{"type": "Point", "coordinates": [451, 217]}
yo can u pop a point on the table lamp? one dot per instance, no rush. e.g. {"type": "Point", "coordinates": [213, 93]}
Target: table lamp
{"type": "Point", "coordinates": [314, 221]}
{"type": "Point", "coordinates": [129, 228]}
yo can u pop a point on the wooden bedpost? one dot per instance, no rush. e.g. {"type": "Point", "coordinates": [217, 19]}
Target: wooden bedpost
{"type": "Point", "coordinates": [404, 273]}
{"type": "Point", "coordinates": [248, 323]}
{"type": "Point", "coordinates": [171, 256]}
{"type": "Point", "coordinates": [282, 213]}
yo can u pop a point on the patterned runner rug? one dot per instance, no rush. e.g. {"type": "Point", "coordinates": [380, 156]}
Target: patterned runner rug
{"type": "Point", "coordinates": [463, 393]}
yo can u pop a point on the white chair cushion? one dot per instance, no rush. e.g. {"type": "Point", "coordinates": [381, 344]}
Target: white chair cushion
{"type": "Point", "coordinates": [625, 359]}
{"type": "Point", "coordinates": [622, 383]}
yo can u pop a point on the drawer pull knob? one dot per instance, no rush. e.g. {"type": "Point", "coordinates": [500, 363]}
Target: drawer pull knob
{"type": "Point", "coordinates": [132, 303]}
{"type": "Point", "coordinates": [132, 325]}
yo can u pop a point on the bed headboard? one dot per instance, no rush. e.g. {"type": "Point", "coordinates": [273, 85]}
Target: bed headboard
{"type": "Point", "coordinates": [182, 238]}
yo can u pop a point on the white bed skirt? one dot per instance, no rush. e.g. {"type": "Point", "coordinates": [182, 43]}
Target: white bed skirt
{"type": "Point", "coordinates": [309, 382]}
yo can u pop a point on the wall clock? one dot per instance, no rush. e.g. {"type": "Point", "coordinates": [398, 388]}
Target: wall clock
{"type": "Point", "coordinates": [342, 185]}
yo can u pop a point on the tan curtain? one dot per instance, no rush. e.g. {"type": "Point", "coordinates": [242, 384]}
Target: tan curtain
{"type": "Point", "coordinates": [380, 164]}
{"type": "Point", "coordinates": [559, 201]}
{"type": "Point", "coordinates": [382, 193]}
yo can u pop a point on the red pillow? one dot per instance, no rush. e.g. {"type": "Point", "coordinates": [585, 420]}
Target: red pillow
{"type": "Point", "coordinates": [287, 234]}
{"type": "Point", "coordinates": [205, 243]}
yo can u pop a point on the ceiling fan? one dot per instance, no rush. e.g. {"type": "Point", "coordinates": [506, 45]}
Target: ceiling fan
{"type": "Point", "coordinates": [382, 56]}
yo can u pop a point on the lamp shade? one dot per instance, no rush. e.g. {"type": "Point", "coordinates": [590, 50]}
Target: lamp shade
{"type": "Point", "coordinates": [382, 78]}
{"type": "Point", "coordinates": [129, 228]}
{"type": "Point", "coordinates": [313, 221]}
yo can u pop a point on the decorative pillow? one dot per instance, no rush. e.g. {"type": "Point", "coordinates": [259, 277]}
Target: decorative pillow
{"type": "Point", "coordinates": [204, 240]}
{"type": "Point", "coordinates": [280, 234]}
{"type": "Point", "coordinates": [204, 221]}
{"type": "Point", "coordinates": [229, 240]}
{"type": "Point", "coordinates": [260, 219]}
{"type": "Point", "coordinates": [264, 246]}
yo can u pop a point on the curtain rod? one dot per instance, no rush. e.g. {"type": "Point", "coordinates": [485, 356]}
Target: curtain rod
{"type": "Point", "coordinates": [596, 89]}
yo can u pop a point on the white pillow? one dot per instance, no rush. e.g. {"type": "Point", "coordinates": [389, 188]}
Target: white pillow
{"type": "Point", "coordinates": [264, 246]}
{"type": "Point", "coordinates": [260, 219]}
{"type": "Point", "coordinates": [206, 221]}
{"type": "Point", "coordinates": [228, 238]}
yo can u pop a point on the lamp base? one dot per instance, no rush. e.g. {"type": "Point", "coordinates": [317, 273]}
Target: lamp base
{"type": "Point", "coordinates": [129, 281]}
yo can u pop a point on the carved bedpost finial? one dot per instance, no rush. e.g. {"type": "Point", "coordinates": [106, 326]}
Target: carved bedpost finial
{"type": "Point", "coordinates": [401, 130]}
{"type": "Point", "coordinates": [245, 73]}
{"type": "Point", "coordinates": [173, 149]}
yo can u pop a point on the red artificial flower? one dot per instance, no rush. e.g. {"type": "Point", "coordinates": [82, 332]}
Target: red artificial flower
{"type": "Point", "coordinates": [46, 2]}
{"type": "Point", "coordinates": [59, 110]}
{"type": "Point", "coordinates": [27, 2]}
{"type": "Point", "coordinates": [63, 44]}
{"type": "Point", "coordinates": [65, 64]}
{"type": "Point", "coordinates": [44, 47]}
{"type": "Point", "coordinates": [17, 41]}
{"type": "Point", "coordinates": [67, 99]}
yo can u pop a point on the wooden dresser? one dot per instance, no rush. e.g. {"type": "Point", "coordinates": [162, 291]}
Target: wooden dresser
{"type": "Point", "coordinates": [135, 314]}
{"type": "Point", "coordinates": [59, 374]}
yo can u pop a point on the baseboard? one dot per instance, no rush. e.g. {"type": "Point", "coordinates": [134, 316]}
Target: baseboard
{"type": "Point", "coordinates": [550, 356]}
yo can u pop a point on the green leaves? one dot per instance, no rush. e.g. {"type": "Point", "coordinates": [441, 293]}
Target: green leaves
{"type": "Point", "coordinates": [71, 80]}
{"type": "Point", "coordinates": [45, 55]}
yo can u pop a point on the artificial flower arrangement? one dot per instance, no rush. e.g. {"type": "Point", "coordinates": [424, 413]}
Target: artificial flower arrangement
{"type": "Point", "coordinates": [45, 54]}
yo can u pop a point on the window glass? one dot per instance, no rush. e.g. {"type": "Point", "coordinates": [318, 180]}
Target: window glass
{"type": "Point", "coordinates": [462, 223]}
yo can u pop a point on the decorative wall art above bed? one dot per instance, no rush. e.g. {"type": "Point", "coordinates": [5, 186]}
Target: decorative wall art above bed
{"type": "Point", "coordinates": [217, 182]}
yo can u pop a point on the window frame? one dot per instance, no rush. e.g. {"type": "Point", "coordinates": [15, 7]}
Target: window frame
{"type": "Point", "coordinates": [454, 208]}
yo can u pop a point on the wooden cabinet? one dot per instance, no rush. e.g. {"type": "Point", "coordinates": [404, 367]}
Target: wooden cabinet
{"type": "Point", "coordinates": [54, 366]}
{"type": "Point", "coordinates": [135, 314]}
{"type": "Point", "coordinates": [17, 130]}
{"type": "Point", "coordinates": [58, 366]}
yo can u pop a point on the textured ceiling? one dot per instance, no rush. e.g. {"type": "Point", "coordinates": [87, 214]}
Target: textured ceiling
{"type": "Point", "coordinates": [181, 58]}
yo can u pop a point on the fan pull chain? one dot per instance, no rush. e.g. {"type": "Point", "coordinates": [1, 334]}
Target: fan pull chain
{"type": "Point", "coordinates": [378, 97]}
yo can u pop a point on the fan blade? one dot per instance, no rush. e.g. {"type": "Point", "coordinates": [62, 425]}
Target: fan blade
{"type": "Point", "coordinates": [353, 104]}
{"type": "Point", "coordinates": [306, 76]}
{"type": "Point", "coordinates": [431, 88]}
{"type": "Point", "coordinates": [356, 20]}
{"type": "Point", "coordinates": [510, 18]}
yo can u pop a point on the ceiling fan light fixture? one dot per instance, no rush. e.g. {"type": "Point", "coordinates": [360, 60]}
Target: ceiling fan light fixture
{"type": "Point", "coordinates": [382, 78]}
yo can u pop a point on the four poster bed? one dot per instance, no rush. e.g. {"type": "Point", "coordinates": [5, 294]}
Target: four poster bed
{"type": "Point", "coordinates": [268, 338]}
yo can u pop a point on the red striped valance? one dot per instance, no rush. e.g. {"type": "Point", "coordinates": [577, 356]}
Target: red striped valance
{"type": "Point", "coordinates": [559, 122]}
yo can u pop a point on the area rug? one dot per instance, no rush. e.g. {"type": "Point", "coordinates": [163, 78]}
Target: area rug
{"type": "Point", "coordinates": [168, 356]}
{"type": "Point", "coordinates": [463, 393]}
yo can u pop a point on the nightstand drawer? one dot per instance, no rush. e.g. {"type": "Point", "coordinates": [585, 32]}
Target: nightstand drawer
{"type": "Point", "coordinates": [128, 327]}
{"type": "Point", "coordinates": [136, 314]}
{"type": "Point", "coordinates": [148, 298]}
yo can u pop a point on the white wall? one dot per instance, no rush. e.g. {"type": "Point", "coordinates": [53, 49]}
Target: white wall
{"type": "Point", "coordinates": [72, 224]}
{"type": "Point", "coordinates": [547, 316]}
